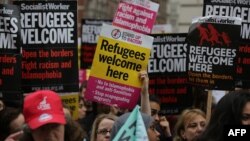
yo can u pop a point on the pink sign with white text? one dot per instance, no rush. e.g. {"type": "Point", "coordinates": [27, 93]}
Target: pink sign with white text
{"type": "Point", "coordinates": [110, 92]}
{"type": "Point", "coordinates": [137, 16]}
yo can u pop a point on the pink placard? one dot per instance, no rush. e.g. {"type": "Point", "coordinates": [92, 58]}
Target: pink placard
{"type": "Point", "coordinates": [136, 17]}
{"type": "Point", "coordinates": [111, 93]}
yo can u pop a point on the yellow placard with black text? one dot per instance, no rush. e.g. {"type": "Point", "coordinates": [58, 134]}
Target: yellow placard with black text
{"type": "Point", "coordinates": [71, 101]}
{"type": "Point", "coordinates": [119, 57]}
{"type": "Point", "coordinates": [119, 61]}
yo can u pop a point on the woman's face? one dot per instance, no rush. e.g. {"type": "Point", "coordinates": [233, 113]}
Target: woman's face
{"type": "Point", "coordinates": [104, 129]}
{"type": "Point", "coordinates": [193, 128]}
{"type": "Point", "coordinates": [81, 109]}
{"type": "Point", "coordinates": [245, 119]}
{"type": "Point", "coordinates": [153, 134]}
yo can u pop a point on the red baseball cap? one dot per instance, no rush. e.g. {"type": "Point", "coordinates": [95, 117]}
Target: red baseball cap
{"type": "Point", "coordinates": [43, 107]}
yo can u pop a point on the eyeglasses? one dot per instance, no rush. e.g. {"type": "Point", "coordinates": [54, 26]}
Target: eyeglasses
{"type": "Point", "coordinates": [103, 131]}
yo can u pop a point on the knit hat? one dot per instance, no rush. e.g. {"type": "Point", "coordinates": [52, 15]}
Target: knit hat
{"type": "Point", "coordinates": [43, 107]}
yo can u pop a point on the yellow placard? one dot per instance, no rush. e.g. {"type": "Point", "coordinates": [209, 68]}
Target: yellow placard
{"type": "Point", "coordinates": [119, 61]}
{"type": "Point", "coordinates": [72, 101]}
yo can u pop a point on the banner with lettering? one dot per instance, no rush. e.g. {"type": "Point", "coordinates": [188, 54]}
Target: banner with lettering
{"type": "Point", "coordinates": [213, 45]}
{"type": "Point", "coordinates": [120, 55]}
{"type": "Point", "coordinates": [91, 29]}
{"type": "Point", "coordinates": [10, 57]}
{"type": "Point", "coordinates": [49, 36]}
{"type": "Point", "coordinates": [10, 29]}
{"type": "Point", "coordinates": [167, 72]}
{"type": "Point", "coordinates": [235, 8]}
{"type": "Point", "coordinates": [136, 15]}
{"type": "Point", "coordinates": [10, 67]}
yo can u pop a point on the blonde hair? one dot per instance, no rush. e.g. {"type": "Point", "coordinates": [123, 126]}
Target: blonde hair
{"type": "Point", "coordinates": [185, 117]}
{"type": "Point", "coordinates": [97, 122]}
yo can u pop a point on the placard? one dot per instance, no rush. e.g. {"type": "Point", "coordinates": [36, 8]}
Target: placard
{"type": "Point", "coordinates": [120, 56]}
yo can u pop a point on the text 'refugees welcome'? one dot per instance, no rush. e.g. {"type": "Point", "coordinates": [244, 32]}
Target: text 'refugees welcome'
{"type": "Point", "coordinates": [123, 63]}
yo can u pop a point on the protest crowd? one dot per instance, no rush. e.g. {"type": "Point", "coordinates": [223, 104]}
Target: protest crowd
{"type": "Point", "coordinates": [128, 83]}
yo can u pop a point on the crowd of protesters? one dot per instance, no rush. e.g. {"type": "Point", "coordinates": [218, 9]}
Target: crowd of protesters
{"type": "Point", "coordinates": [44, 117]}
